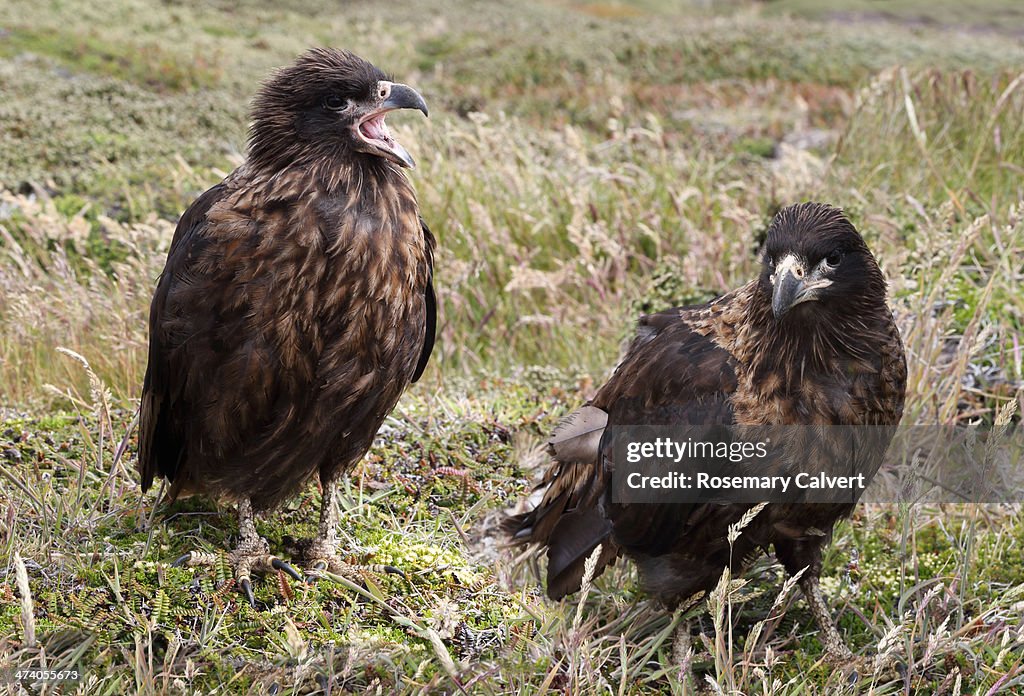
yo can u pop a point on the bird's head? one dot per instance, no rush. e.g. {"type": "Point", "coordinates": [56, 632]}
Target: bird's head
{"type": "Point", "coordinates": [328, 103]}
{"type": "Point", "coordinates": [815, 261]}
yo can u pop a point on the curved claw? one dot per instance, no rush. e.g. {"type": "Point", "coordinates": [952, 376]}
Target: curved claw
{"type": "Point", "coordinates": [394, 571]}
{"type": "Point", "coordinates": [315, 572]}
{"type": "Point", "coordinates": [183, 560]}
{"type": "Point", "coordinates": [246, 586]}
{"type": "Point", "coordinates": [278, 564]}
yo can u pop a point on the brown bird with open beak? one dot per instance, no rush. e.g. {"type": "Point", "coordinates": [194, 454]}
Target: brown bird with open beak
{"type": "Point", "coordinates": [295, 307]}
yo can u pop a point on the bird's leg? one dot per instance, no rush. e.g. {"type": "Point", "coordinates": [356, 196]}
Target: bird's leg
{"type": "Point", "coordinates": [321, 554]}
{"type": "Point", "coordinates": [805, 556]}
{"type": "Point", "coordinates": [682, 655]}
{"type": "Point", "coordinates": [836, 651]}
{"type": "Point", "coordinates": [251, 554]}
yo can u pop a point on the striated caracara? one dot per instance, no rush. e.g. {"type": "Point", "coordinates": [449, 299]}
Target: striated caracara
{"type": "Point", "coordinates": [295, 306]}
{"type": "Point", "coordinates": [810, 343]}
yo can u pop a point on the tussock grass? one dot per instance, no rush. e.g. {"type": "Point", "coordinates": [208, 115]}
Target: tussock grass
{"type": "Point", "coordinates": [583, 162]}
{"type": "Point", "coordinates": [57, 293]}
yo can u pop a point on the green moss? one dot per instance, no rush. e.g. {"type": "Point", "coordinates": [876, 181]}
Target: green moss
{"type": "Point", "coordinates": [201, 605]}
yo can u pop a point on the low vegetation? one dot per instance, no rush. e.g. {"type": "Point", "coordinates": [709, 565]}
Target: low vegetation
{"type": "Point", "coordinates": [583, 162]}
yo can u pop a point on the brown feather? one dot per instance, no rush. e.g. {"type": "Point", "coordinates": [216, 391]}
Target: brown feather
{"type": "Point", "coordinates": [295, 306]}
{"type": "Point", "coordinates": [578, 437]}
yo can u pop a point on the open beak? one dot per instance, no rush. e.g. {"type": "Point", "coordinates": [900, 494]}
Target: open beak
{"type": "Point", "coordinates": [374, 133]}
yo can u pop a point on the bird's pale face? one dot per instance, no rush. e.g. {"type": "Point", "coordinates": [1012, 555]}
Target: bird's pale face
{"type": "Point", "coordinates": [816, 261]}
{"type": "Point", "coordinates": [364, 119]}
{"type": "Point", "coordinates": [794, 280]}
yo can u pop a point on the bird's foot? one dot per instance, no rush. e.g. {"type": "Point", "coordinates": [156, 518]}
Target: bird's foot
{"type": "Point", "coordinates": [322, 562]}
{"type": "Point", "coordinates": [320, 568]}
{"type": "Point", "coordinates": [843, 661]}
{"type": "Point", "coordinates": [245, 560]}
{"type": "Point", "coordinates": [839, 656]}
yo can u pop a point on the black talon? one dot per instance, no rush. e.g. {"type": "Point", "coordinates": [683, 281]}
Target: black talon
{"type": "Point", "coordinates": [247, 588]}
{"type": "Point", "coordinates": [182, 561]}
{"type": "Point", "coordinates": [394, 571]}
{"type": "Point", "coordinates": [311, 577]}
{"type": "Point", "coordinates": [278, 564]}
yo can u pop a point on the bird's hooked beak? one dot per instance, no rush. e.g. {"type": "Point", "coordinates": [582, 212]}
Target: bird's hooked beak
{"type": "Point", "coordinates": [793, 283]}
{"type": "Point", "coordinates": [788, 286]}
{"type": "Point", "coordinates": [371, 130]}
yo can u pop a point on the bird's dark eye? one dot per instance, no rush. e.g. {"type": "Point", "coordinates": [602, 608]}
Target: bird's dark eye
{"type": "Point", "coordinates": [334, 102]}
{"type": "Point", "coordinates": [834, 258]}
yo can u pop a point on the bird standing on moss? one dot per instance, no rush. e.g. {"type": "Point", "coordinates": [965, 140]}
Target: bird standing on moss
{"type": "Point", "coordinates": [810, 342]}
{"type": "Point", "coordinates": [295, 307]}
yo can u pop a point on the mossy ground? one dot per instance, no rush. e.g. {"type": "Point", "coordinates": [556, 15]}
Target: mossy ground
{"type": "Point", "coordinates": [103, 573]}
{"type": "Point", "coordinates": [583, 162]}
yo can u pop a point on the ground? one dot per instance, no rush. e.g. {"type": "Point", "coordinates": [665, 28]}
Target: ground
{"type": "Point", "coordinates": [583, 162]}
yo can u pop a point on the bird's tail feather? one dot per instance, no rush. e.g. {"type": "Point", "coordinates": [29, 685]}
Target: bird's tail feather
{"type": "Point", "coordinates": [574, 539]}
{"type": "Point", "coordinates": [567, 520]}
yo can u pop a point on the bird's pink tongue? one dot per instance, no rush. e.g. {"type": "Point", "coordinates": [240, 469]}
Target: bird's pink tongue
{"type": "Point", "coordinates": [374, 129]}
{"type": "Point", "coordinates": [376, 133]}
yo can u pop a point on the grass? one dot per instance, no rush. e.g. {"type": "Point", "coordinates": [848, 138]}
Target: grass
{"type": "Point", "coordinates": [583, 162]}
{"type": "Point", "coordinates": [980, 17]}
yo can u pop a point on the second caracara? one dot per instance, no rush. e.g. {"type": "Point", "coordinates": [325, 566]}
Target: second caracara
{"type": "Point", "coordinates": [810, 343]}
{"type": "Point", "coordinates": [295, 307]}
